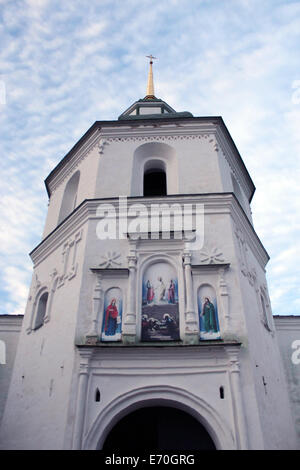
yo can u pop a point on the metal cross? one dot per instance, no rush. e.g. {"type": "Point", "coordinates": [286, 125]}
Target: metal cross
{"type": "Point", "coordinates": [151, 57]}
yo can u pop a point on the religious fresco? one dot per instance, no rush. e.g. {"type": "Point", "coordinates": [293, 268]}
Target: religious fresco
{"type": "Point", "coordinates": [160, 312]}
{"type": "Point", "coordinates": [112, 315]}
{"type": "Point", "coordinates": [208, 313]}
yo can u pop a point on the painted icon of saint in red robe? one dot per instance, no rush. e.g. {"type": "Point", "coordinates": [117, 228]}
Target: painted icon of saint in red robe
{"type": "Point", "coordinates": [111, 316]}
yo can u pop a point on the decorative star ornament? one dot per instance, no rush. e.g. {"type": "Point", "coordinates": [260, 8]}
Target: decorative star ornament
{"type": "Point", "coordinates": [211, 255]}
{"type": "Point", "coordinates": [110, 260]}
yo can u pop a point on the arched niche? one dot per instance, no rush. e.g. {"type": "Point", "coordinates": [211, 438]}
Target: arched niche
{"type": "Point", "coordinates": [161, 158]}
{"type": "Point", "coordinates": [70, 196]}
{"type": "Point", "coordinates": [160, 302]}
{"type": "Point", "coordinates": [40, 310]}
{"type": "Point", "coordinates": [111, 329]}
{"type": "Point", "coordinates": [208, 313]}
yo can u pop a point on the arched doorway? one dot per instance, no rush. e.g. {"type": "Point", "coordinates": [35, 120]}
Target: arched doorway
{"type": "Point", "coordinates": [159, 428]}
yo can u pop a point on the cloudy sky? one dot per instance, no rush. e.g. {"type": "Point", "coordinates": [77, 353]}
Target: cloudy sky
{"type": "Point", "coordinates": [64, 65]}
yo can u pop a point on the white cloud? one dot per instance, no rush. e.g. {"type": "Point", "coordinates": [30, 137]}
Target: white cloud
{"type": "Point", "coordinates": [92, 30]}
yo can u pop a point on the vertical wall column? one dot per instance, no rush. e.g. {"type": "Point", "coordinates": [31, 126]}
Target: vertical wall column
{"type": "Point", "coordinates": [83, 377]}
{"type": "Point", "coordinates": [237, 399]}
{"type": "Point", "coordinates": [224, 298]}
{"type": "Point", "coordinates": [93, 335]}
{"type": "Point", "coordinates": [129, 325]}
{"type": "Point", "coordinates": [54, 280]}
{"type": "Point", "coordinates": [191, 326]}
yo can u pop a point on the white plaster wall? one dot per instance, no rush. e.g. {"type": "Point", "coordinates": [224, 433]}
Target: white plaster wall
{"type": "Point", "coordinates": [10, 326]}
{"type": "Point", "coordinates": [288, 336]}
{"type": "Point", "coordinates": [198, 167]}
{"type": "Point", "coordinates": [265, 362]}
{"type": "Point", "coordinates": [36, 409]}
{"type": "Point", "coordinates": [115, 169]}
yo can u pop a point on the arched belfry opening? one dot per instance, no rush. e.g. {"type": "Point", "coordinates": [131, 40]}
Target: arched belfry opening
{"type": "Point", "coordinates": [155, 183]}
{"type": "Point", "coordinates": [155, 178]}
{"type": "Point", "coordinates": [154, 170]}
{"type": "Point", "coordinates": [159, 428]}
{"type": "Point", "coordinates": [70, 197]}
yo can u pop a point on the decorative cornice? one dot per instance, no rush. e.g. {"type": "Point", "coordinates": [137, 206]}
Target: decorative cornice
{"type": "Point", "coordinates": [172, 351]}
{"type": "Point", "coordinates": [158, 137]}
{"type": "Point", "coordinates": [209, 267]}
{"type": "Point", "coordinates": [111, 272]}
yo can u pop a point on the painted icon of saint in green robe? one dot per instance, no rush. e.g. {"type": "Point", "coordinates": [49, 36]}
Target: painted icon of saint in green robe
{"type": "Point", "coordinates": [209, 316]}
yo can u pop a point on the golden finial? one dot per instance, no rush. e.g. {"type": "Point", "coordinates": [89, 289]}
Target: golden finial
{"type": "Point", "coordinates": [150, 86]}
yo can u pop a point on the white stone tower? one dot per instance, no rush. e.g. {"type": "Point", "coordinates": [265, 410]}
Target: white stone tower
{"type": "Point", "coordinates": [148, 309]}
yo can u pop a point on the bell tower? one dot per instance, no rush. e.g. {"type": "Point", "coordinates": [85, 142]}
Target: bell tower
{"type": "Point", "coordinates": [149, 297]}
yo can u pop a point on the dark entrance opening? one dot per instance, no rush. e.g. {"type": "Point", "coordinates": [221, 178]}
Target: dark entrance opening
{"type": "Point", "coordinates": [155, 183]}
{"type": "Point", "coordinates": [158, 428]}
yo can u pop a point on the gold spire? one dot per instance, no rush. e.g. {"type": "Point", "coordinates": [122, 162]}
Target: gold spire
{"type": "Point", "coordinates": [150, 86]}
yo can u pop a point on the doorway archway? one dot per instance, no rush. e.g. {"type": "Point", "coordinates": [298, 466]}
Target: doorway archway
{"type": "Point", "coordinates": [159, 428]}
{"type": "Point", "coordinates": [152, 396]}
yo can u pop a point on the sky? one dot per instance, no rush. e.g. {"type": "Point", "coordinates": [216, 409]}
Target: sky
{"type": "Point", "coordinates": [64, 65]}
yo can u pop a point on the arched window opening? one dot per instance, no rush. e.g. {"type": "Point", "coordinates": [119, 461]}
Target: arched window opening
{"type": "Point", "coordinates": [155, 182]}
{"type": "Point", "coordinates": [159, 428]}
{"type": "Point", "coordinates": [70, 197]}
{"type": "Point", "coordinates": [41, 311]}
{"type": "Point", "coordinates": [222, 394]}
{"type": "Point", "coordinates": [97, 395]}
